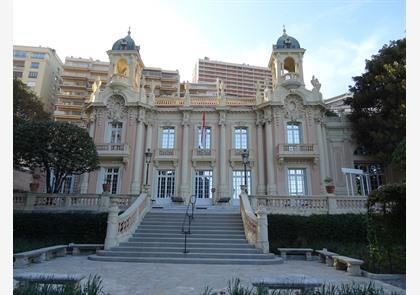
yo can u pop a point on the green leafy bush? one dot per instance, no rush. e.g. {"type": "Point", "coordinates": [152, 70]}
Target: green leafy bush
{"type": "Point", "coordinates": [386, 228]}
{"type": "Point", "coordinates": [35, 230]}
{"type": "Point", "coordinates": [316, 231]}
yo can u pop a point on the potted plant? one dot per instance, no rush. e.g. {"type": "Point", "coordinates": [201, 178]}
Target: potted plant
{"type": "Point", "coordinates": [106, 187]}
{"type": "Point", "coordinates": [329, 185]}
{"type": "Point", "coordinates": [34, 185]}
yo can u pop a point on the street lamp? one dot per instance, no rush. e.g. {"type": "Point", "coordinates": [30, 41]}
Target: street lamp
{"type": "Point", "coordinates": [245, 161]}
{"type": "Point", "coordinates": [148, 156]}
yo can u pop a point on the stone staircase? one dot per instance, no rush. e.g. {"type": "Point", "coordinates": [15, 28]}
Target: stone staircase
{"type": "Point", "coordinates": [216, 238]}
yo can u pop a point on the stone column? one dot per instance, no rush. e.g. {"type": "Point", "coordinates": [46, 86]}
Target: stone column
{"type": "Point", "coordinates": [185, 189]}
{"type": "Point", "coordinates": [322, 154]}
{"type": "Point", "coordinates": [271, 185]}
{"type": "Point", "coordinates": [324, 141]}
{"type": "Point", "coordinates": [148, 146]}
{"type": "Point", "coordinates": [223, 190]}
{"type": "Point", "coordinates": [260, 159]}
{"type": "Point", "coordinates": [84, 182]}
{"type": "Point", "coordinates": [138, 157]}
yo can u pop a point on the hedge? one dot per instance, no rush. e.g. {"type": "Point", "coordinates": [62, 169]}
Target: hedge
{"type": "Point", "coordinates": [345, 234]}
{"type": "Point", "coordinates": [34, 230]}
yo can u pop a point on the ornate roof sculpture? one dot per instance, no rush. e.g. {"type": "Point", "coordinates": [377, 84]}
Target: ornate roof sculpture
{"type": "Point", "coordinates": [286, 41]}
{"type": "Point", "coordinates": [126, 43]}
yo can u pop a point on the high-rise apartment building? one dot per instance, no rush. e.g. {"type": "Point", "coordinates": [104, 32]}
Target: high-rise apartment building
{"type": "Point", "coordinates": [40, 69]}
{"type": "Point", "coordinates": [78, 76]}
{"type": "Point", "coordinates": [240, 79]}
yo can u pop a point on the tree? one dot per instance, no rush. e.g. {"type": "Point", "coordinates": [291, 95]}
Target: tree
{"type": "Point", "coordinates": [26, 105]}
{"type": "Point", "coordinates": [55, 147]}
{"type": "Point", "coordinates": [378, 102]}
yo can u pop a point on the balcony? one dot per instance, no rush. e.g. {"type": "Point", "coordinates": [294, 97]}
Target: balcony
{"type": "Point", "coordinates": [203, 155]}
{"type": "Point", "coordinates": [162, 155]}
{"type": "Point", "coordinates": [297, 152]}
{"type": "Point", "coordinates": [118, 81]}
{"type": "Point", "coordinates": [113, 151]}
{"type": "Point", "coordinates": [235, 157]}
{"type": "Point", "coordinates": [290, 80]}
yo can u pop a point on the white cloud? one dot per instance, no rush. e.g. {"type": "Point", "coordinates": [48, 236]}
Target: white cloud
{"type": "Point", "coordinates": [335, 65]}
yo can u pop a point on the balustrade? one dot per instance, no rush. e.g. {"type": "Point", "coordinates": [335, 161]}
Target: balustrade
{"type": "Point", "coordinates": [67, 202]}
{"type": "Point", "coordinates": [306, 205]}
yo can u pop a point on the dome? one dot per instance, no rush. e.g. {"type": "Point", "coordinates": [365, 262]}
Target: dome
{"type": "Point", "coordinates": [286, 41]}
{"type": "Point", "coordinates": [126, 43]}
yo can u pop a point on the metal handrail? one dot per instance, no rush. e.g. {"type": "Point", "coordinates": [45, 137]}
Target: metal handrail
{"type": "Point", "coordinates": [192, 202]}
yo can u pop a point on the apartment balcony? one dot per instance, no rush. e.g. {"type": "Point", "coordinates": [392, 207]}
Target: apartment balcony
{"type": "Point", "coordinates": [162, 155]}
{"type": "Point", "coordinates": [235, 157]}
{"type": "Point", "coordinates": [75, 85]}
{"type": "Point", "coordinates": [118, 81]}
{"type": "Point", "coordinates": [290, 80]}
{"type": "Point", "coordinates": [113, 151]}
{"type": "Point", "coordinates": [289, 152]}
{"type": "Point", "coordinates": [203, 155]}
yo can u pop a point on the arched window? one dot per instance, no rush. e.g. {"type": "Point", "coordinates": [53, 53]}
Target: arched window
{"type": "Point", "coordinates": [122, 67]}
{"type": "Point", "coordinates": [289, 65]}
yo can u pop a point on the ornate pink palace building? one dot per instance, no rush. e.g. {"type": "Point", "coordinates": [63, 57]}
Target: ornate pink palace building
{"type": "Point", "coordinates": [180, 139]}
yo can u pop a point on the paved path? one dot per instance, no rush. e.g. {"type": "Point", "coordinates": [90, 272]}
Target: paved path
{"type": "Point", "coordinates": [121, 278]}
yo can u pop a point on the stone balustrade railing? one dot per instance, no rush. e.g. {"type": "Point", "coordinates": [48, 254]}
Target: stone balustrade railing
{"type": "Point", "coordinates": [42, 202]}
{"type": "Point", "coordinates": [255, 226]}
{"type": "Point", "coordinates": [204, 101]}
{"type": "Point", "coordinates": [307, 205]}
{"type": "Point", "coordinates": [121, 227]}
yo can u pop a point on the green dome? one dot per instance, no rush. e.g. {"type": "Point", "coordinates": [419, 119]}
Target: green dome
{"type": "Point", "coordinates": [286, 41]}
{"type": "Point", "coordinates": [126, 43]}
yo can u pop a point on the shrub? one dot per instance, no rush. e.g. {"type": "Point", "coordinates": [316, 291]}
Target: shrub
{"type": "Point", "coordinates": [386, 228]}
{"type": "Point", "coordinates": [34, 230]}
{"type": "Point", "coordinates": [316, 230]}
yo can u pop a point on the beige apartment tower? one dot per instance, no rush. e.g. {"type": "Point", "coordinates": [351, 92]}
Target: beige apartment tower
{"type": "Point", "coordinates": [40, 69]}
{"type": "Point", "coordinates": [240, 79]}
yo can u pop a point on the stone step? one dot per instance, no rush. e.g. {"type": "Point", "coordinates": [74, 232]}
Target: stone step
{"type": "Point", "coordinates": [205, 225]}
{"type": "Point", "coordinates": [191, 250]}
{"type": "Point", "coordinates": [178, 230]}
{"type": "Point", "coordinates": [184, 255]}
{"type": "Point", "coordinates": [190, 239]}
{"type": "Point", "coordinates": [190, 244]}
{"type": "Point", "coordinates": [192, 235]}
{"type": "Point", "coordinates": [184, 260]}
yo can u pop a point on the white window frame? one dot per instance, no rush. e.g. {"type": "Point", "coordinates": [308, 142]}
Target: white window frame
{"type": "Point", "coordinates": [238, 180]}
{"type": "Point", "coordinates": [165, 137]}
{"type": "Point", "coordinates": [201, 193]}
{"type": "Point", "coordinates": [113, 132]}
{"type": "Point", "coordinates": [208, 139]}
{"type": "Point", "coordinates": [293, 139]}
{"type": "Point", "coordinates": [68, 178]}
{"type": "Point", "coordinates": [305, 178]}
{"type": "Point", "coordinates": [239, 142]}
{"type": "Point", "coordinates": [169, 190]}
{"type": "Point", "coordinates": [102, 178]}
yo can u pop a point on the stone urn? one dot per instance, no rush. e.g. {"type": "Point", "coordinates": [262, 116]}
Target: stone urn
{"type": "Point", "coordinates": [329, 185]}
{"type": "Point", "coordinates": [106, 187]}
{"type": "Point", "coordinates": [33, 186]}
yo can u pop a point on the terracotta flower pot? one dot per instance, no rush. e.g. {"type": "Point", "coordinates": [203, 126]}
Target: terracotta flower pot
{"type": "Point", "coordinates": [33, 186]}
{"type": "Point", "coordinates": [330, 189]}
{"type": "Point", "coordinates": [106, 187]}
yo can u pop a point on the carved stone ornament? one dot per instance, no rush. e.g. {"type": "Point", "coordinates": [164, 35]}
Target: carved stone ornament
{"type": "Point", "coordinates": [116, 108]}
{"type": "Point", "coordinates": [186, 118]}
{"type": "Point", "coordinates": [142, 115]}
{"type": "Point", "coordinates": [222, 118]}
{"type": "Point", "coordinates": [294, 107]}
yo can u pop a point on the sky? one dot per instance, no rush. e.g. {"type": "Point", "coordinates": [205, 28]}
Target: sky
{"type": "Point", "coordinates": [338, 35]}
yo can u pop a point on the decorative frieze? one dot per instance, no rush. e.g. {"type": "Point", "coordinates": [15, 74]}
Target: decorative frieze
{"type": "Point", "coordinates": [116, 108]}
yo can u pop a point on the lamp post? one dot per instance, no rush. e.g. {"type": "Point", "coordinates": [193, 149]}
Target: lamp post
{"type": "Point", "coordinates": [245, 161]}
{"type": "Point", "coordinates": [148, 156]}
